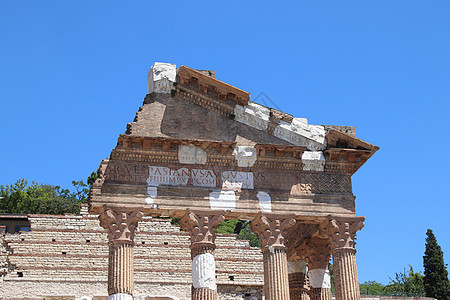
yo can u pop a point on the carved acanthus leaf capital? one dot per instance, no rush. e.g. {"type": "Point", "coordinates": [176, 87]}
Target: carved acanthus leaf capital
{"type": "Point", "coordinates": [317, 252]}
{"type": "Point", "coordinates": [272, 228]}
{"type": "Point", "coordinates": [202, 225]}
{"type": "Point", "coordinates": [342, 231]}
{"type": "Point", "coordinates": [121, 225]}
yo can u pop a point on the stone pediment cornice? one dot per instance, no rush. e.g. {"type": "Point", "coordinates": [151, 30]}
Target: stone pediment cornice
{"type": "Point", "coordinates": [345, 152]}
{"type": "Point", "coordinates": [345, 160]}
{"type": "Point", "coordinates": [270, 156]}
{"type": "Point", "coordinates": [164, 150]}
{"type": "Point", "coordinates": [207, 84]}
{"type": "Point", "coordinates": [338, 139]}
{"type": "Point", "coordinates": [167, 144]}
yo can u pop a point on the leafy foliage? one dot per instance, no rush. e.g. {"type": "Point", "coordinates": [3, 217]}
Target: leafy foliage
{"type": "Point", "coordinates": [407, 284]}
{"type": "Point", "coordinates": [373, 288]}
{"type": "Point", "coordinates": [22, 198]}
{"type": "Point", "coordinates": [435, 281]}
{"type": "Point", "coordinates": [245, 233]}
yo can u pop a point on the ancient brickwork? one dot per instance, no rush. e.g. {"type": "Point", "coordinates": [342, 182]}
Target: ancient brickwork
{"type": "Point", "coordinates": [68, 255]}
{"type": "Point", "coordinates": [163, 116]}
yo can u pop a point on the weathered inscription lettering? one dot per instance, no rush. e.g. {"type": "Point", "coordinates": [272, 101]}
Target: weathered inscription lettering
{"type": "Point", "coordinates": [160, 175]}
{"type": "Point", "coordinates": [201, 177]}
{"type": "Point", "coordinates": [166, 176]}
{"type": "Point", "coordinates": [237, 180]}
{"type": "Point", "coordinates": [130, 173]}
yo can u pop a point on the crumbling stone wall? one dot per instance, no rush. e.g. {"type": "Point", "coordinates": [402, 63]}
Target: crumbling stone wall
{"type": "Point", "coordinates": [68, 256]}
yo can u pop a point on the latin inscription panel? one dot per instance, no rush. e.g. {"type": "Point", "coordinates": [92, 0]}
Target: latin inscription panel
{"type": "Point", "coordinates": [290, 182]}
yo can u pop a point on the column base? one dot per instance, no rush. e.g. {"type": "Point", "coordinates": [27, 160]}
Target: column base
{"type": "Point", "coordinates": [120, 296]}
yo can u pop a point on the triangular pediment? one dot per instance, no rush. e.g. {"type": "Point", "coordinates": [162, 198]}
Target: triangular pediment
{"type": "Point", "coordinates": [198, 106]}
{"type": "Point", "coordinates": [199, 142]}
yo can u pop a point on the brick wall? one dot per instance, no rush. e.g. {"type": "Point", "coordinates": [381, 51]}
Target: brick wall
{"type": "Point", "coordinates": [68, 256]}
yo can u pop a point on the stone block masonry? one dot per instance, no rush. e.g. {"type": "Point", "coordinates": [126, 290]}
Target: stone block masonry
{"type": "Point", "coordinates": [68, 256]}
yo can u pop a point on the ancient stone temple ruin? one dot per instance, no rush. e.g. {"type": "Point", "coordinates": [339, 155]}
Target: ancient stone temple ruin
{"type": "Point", "coordinates": [200, 150]}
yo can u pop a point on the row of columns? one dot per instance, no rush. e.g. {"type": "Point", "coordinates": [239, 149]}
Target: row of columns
{"type": "Point", "coordinates": [282, 279]}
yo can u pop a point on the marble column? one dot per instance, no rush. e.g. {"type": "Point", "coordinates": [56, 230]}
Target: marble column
{"type": "Point", "coordinates": [202, 227]}
{"type": "Point", "coordinates": [272, 229]}
{"type": "Point", "coordinates": [120, 225]}
{"type": "Point", "coordinates": [317, 252]}
{"type": "Point", "coordinates": [343, 236]}
{"type": "Point", "coordinates": [298, 280]}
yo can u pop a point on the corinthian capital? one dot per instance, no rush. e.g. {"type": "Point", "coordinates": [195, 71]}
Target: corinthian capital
{"type": "Point", "coordinates": [272, 228]}
{"type": "Point", "coordinates": [202, 225]}
{"type": "Point", "coordinates": [317, 252]}
{"type": "Point", "coordinates": [343, 230]}
{"type": "Point", "coordinates": [120, 224]}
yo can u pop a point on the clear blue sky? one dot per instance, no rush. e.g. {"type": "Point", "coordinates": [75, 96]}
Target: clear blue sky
{"type": "Point", "coordinates": [73, 74]}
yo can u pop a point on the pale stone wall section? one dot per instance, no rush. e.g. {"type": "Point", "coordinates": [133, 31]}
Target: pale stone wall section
{"type": "Point", "coordinates": [70, 253]}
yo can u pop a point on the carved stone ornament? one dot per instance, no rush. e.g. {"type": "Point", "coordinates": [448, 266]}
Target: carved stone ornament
{"type": "Point", "coordinates": [272, 228]}
{"type": "Point", "coordinates": [317, 252]}
{"type": "Point", "coordinates": [202, 225]}
{"type": "Point", "coordinates": [120, 225]}
{"type": "Point", "coordinates": [343, 231]}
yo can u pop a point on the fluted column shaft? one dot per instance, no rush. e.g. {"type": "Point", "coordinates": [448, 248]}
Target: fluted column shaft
{"type": "Point", "coordinates": [346, 275]}
{"type": "Point", "coordinates": [276, 283]}
{"type": "Point", "coordinates": [202, 227]}
{"type": "Point", "coordinates": [343, 235]}
{"type": "Point", "coordinates": [273, 228]}
{"type": "Point", "coordinates": [121, 226]}
{"type": "Point", "coordinates": [320, 294]}
{"type": "Point", "coordinates": [204, 294]}
{"type": "Point", "coordinates": [120, 269]}
{"type": "Point", "coordinates": [297, 289]}
{"type": "Point", "coordinates": [298, 283]}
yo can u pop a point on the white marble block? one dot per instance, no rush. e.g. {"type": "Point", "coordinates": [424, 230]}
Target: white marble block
{"type": "Point", "coordinates": [245, 156]}
{"type": "Point", "coordinates": [191, 155]}
{"type": "Point", "coordinates": [319, 278]}
{"type": "Point", "coordinates": [253, 115]}
{"type": "Point", "coordinates": [313, 161]}
{"type": "Point", "coordinates": [161, 77]}
{"type": "Point", "coordinates": [204, 271]}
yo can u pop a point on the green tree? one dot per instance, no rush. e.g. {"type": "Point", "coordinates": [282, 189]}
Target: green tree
{"type": "Point", "coordinates": [373, 288]}
{"type": "Point", "coordinates": [244, 232]}
{"type": "Point", "coordinates": [407, 284]}
{"type": "Point", "coordinates": [435, 281]}
{"type": "Point", "coordinates": [227, 226]}
{"type": "Point", "coordinates": [92, 178]}
{"type": "Point", "coordinates": [37, 199]}
{"type": "Point", "coordinates": [44, 198]}
{"type": "Point", "coordinates": [247, 234]}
